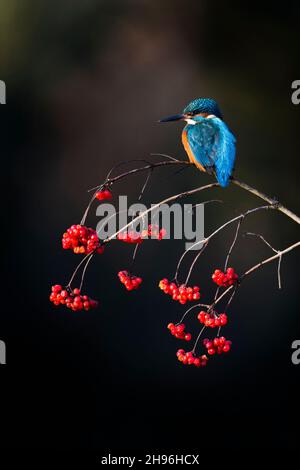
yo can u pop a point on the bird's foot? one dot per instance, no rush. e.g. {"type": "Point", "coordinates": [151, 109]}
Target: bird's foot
{"type": "Point", "coordinates": [275, 203]}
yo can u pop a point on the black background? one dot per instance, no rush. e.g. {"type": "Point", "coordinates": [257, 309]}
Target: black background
{"type": "Point", "coordinates": [86, 83]}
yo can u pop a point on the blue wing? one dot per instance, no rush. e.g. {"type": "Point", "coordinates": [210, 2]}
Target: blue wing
{"type": "Point", "coordinates": [213, 146]}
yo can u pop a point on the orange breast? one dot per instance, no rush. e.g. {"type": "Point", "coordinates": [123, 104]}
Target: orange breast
{"type": "Point", "coordinates": [189, 151]}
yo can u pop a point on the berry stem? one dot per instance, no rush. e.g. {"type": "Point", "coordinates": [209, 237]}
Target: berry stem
{"type": "Point", "coordinates": [134, 255]}
{"type": "Point", "coordinates": [84, 270]}
{"type": "Point", "coordinates": [231, 297]}
{"type": "Point", "coordinates": [82, 222]}
{"type": "Point", "coordinates": [233, 242]}
{"type": "Point", "coordinates": [193, 263]}
{"type": "Point", "coordinates": [145, 183]}
{"type": "Point", "coordinates": [77, 268]}
{"type": "Point", "coordinates": [191, 308]}
{"type": "Point", "coordinates": [197, 340]}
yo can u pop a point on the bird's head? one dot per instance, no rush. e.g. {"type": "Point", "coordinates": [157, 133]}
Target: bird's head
{"type": "Point", "coordinates": [204, 107]}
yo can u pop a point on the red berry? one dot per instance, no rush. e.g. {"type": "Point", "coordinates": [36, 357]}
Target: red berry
{"type": "Point", "coordinates": [131, 282]}
{"type": "Point", "coordinates": [71, 299]}
{"type": "Point", "coordinates": [182, 293]}
{"type": "Point", "coordinates": [225, 279]}
{"type": "Point", "coordinates": [103, 194]}
{"type": "Point", "coordinates": [81, 239]}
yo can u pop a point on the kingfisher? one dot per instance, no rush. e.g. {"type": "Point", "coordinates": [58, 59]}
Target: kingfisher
{"type": "Point", "coordinates": [207, 140]}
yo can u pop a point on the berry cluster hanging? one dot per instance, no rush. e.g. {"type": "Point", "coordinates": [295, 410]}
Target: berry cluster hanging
{"type": "Point", "coordinates": [85, 241]}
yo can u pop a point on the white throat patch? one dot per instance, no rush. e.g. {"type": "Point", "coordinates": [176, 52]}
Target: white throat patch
{"type": "Point", "coordinates": [193, 122]}
{"type": "Point", "coordinates": [190, 121]}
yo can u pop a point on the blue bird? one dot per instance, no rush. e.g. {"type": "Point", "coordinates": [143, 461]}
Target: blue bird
{"type": "Point", "coordinates": [207, 140]}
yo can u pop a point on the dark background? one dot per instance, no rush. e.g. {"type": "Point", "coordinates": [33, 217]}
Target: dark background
{"type": "Point", "coordinates": [86, 83]}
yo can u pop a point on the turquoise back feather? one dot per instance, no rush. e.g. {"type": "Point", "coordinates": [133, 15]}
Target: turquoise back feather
{"type": "Point", "coordinates": [213, 146]}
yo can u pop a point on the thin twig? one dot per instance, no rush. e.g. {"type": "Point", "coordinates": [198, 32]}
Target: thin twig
{"type": "Point", "coordinates": [84, 270]}
{"type": "Point", "coordinates": [268, 260]}
{"type": "Point", "coordinates": [98, 231]}
{"type": "Point", "coordinates": [231, 297]}
{"type": "Point", "coordinates": [109, 181]}
{"type": "Point", "coordinates": [207, 239]}
{"type": "Point", "coordinates": [76, 270]}
{"type": "Point", "coordinates": [229, 253]}
{"type": "Point", "coordinates": [165, 201]}
{"type": "Point", "coordinates": [258, 266]}
{"type": "Point", "coordinates": [193, 263]}
{"type": "Point", "coordinates": [278, 272]}
{"type": "Point", "coordinates": [198, 337]}
{"type": "Point", "coordinates": [274, 250]}
{"type": "Point", "coordinates": [165, 156]}
{"type": "Point", "coordinates": [233, 242]}
{"type": "Point", "coordinates": [191, 308]}
{"type": "Point", "coordinates": [125, 162]}
{"type": "Point", "coordinates": [147, 167]}
{"type": "Point", "coordinates": [205, 202]}
{"type": "Point", "coordinates": [173, 161]}
{"type": "Point", "coordinates": [134, 255]}
{"type": "Point", "coordinates": [145, 184]}
{"type": "Point", "coordinates": [262, 239]}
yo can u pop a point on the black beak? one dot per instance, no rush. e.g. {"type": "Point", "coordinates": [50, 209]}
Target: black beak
{"type": "Point", "coordinates": [177, 117]}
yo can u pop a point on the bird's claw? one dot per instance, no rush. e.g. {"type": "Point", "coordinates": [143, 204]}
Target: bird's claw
{"type": "Point", "coordinates": [275, 203]}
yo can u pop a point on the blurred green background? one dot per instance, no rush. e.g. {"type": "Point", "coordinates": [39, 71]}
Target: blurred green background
{"type": "Point", "coordinates": [86, 83]}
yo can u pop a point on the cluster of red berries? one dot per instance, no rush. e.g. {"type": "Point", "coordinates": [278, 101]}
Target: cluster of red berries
{"type": "Point", "coordinates": [225, 279]}
{"type": "Point", "coordinates": [182, 293]}
{"type": "Point", "coordinates": [153, 231]}
{"type": "Point", "coordinates": [212, 320]}
{"type": "Point", "coordinates": [130, 282]}
{"type": "Point", "coordinates": [190, 358]}
{"type": "Point", "coordinates": [130, 237]}
{"type": "Point", "coordinates": [103, 194]}
{"type": "Point", "coordinates": [81, 239]}
{"type": "Point", "coordinates": [71, 298]}
{"type": "Point", "coordinates": [178, 331]}
{"type": "Point", "coordinates": [217, 345]}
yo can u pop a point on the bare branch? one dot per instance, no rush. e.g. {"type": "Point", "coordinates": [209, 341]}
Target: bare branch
{"type": "Point", "coordinates": [279, 254]}
{"type": "Point", "coordinates": [258, 266]}
{"type": "Point", "coordinates": [262, 238]}
{"type": "Point", "coordinates": [172, 161]}
{"type": "Point", "coordinates": [207, 239]}
{"type": "Point", "coordinates": [266, 198]}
